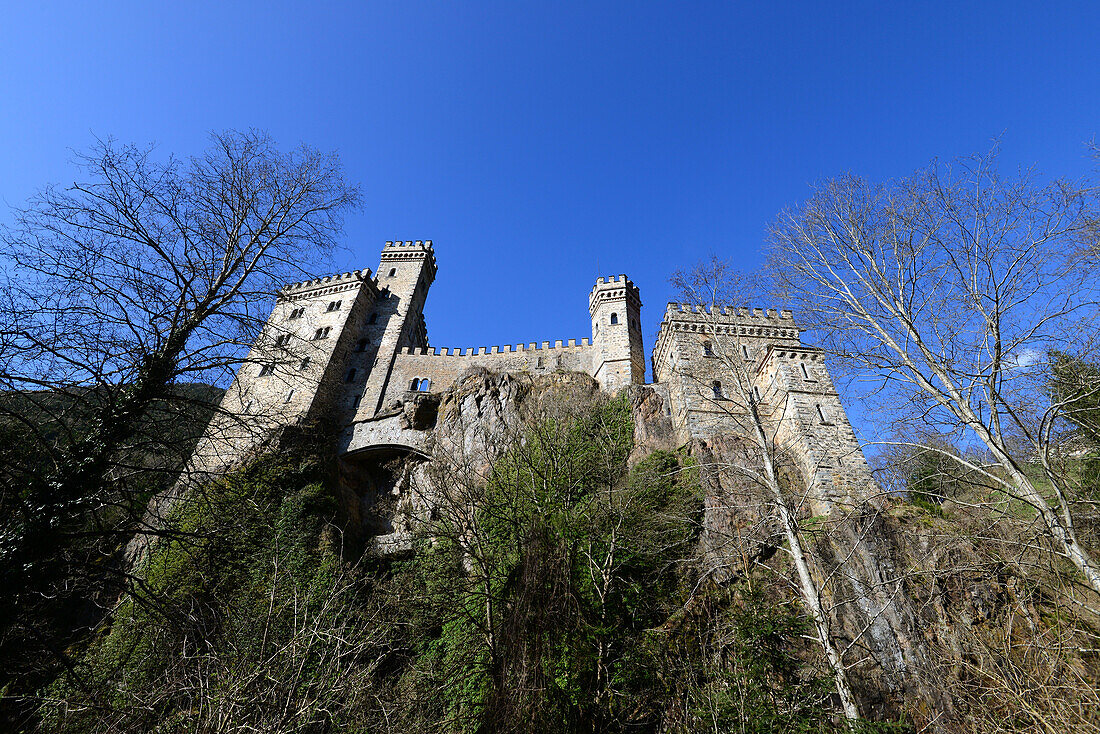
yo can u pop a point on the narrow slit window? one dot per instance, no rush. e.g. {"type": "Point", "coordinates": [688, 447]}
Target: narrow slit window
{"type": "Point", "coordinates": [716, 388]}
{"type": "Point", "coordinates": [248, 407]}
{"type": "Point", "coordinates": [821, 414]}
{"type": "Point", "coordinates": [358, 399]}
{"type": "Point", "coordinates": [744, 351]}
{"type": "Point", "coordinates": [351, 375]}
{"type": "Point", "coordinates": [805, 373]}
{"type": "Point", "coordinates": [289, 395]}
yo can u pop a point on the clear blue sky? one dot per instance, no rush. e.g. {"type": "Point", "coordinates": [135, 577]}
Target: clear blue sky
{"type": "Point", "coordinates": [541, 144]}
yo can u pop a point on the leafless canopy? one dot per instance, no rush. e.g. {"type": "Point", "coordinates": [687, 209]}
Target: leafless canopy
{"type": "Point", "coordinates": [946, 292]}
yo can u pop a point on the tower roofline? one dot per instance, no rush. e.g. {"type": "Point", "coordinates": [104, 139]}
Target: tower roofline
{"type": "Point", "coordinates": [613, 288]}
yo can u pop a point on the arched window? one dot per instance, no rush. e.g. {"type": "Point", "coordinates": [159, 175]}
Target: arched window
{"type": "Point", "coordinates": [351, 374]}
{"type": "Point", "coordinates": [425, 385]}
{"type": "Point", "coordinates": [716, 386]}
{"type": "Point", "coordinates": [373, 319]}
{"type": "Point", "coordinates": [415, 384]}
{"type": "Point", "coordinates": [707, 351]}
{"type": "Point", "coordinates": [614, 319]}
{"type": "Point", "coordinates": [304, 364]}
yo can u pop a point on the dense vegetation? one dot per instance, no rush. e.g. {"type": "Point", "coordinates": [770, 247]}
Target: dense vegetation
{"type": "Point", "coordinates": [564, 591]}
{"type": "Point", "coordinates": [570, 601]}
{"type": "Point", "coordinates": [76, 540]}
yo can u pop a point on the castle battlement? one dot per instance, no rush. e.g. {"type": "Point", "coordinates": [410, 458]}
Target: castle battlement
{"type": "Point", "coordinates": [326, 284]}
{"type": "Point", "coordinates": [611, 288]}
{"type": "Point", "coordinates": [505, 349]}
{"type": "Point", "coordinates": [674, 310]}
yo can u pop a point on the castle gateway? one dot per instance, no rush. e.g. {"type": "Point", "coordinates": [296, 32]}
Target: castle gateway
{"type": "Point", "coordinates": [353, 349]}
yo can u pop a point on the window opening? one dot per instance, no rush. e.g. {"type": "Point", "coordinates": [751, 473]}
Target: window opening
{"type": "Point", "coordinates": [805, 374]}
{"type": "Point", "coordinates": [614, 319]}
{"type": "Point", "coordinates": [415, 384]}
{"type": "Point", "coordinates": [425, 385]}
{"type": "Point", "coordinates": [540, 362]}
{"type": "Point", "coordinates": [393, 272]}
{"type": "Point", "coordinates": [297, 313]}
{"type": "Point", "coordinates": [282, 340]}
{"type": "Point", "coordinates": [304, 364]}
{"type": "Point", "coordinates": [266, 370]}
{"type": "Point", "coordinates": [373, 319]}
{"type": "Point", "coordinates": [716, 388]}
{"type": "Point", "coordinates": [248, 407]}
{"type": "Point", "coordinates": [289, 395]}
{"type": "Point", "coordinates": [744, 351]}
{"type": "Point", "coordinates": [351, 374]}
{"type": "Point", "coordinates": [358, 399]}
{"type": "Point", "coordinates": [322, 333]}
{"type": "Point", "coordinates": [821, 414]}
{"type": "Point", "coordinates": [707, 351]}
{"type": "Point", "coordinates": [362, 345]}
{"type": "Point", "coordinates": [756, 393]}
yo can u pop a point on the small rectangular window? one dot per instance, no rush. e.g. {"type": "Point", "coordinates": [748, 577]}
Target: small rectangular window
{"type": "Point", "coordinates": [282, 340]}
{"type": "Point", "coordinates": [304, 364]}
{"type": "Point", "coordinates": [744, 351]}
{"type": "Point", "coordinates": [289, 395]}
{"type": "Point", "coordinates": [821, 415]}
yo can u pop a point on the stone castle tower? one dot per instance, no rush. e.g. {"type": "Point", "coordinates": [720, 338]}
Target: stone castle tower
{"type": "Point", "coordinates": [353, 349]}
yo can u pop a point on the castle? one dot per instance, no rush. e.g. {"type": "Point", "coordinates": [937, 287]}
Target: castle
{"type": "Point", "coordinates": [353, 348]}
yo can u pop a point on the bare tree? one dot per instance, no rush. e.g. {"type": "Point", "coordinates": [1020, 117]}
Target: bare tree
{"type": "Point", "coordinates": [715, 285]}
{"type": "Point", "coordinates": [143, 276]}
{"type": "Point", "coordinates": [947, 291]}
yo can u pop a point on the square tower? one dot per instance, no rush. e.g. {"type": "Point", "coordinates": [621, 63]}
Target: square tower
{"type": "Point", "coordinates": [618, 359]}
{"type": "Point", "coordinates": [405, 273]}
